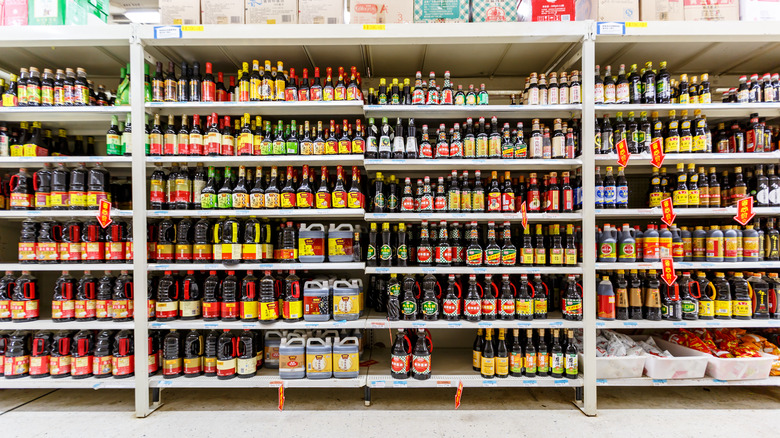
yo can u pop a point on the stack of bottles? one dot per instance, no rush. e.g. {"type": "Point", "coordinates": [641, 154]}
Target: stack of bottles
{"type": "Point", "coordinates": [230, 241]}
{"type": "Point", "coordinates": [684, 135]}
{"type": "Point", "coordinates": [411, 355]}
{"type": "Point", "coordinates": [263, 83]}
{"type": "Point", "coordinates": [727, 243]}
{"type": "Point", "coordinates": [59, 88]}
{"type": "Point", "coordinates": [443, 244]}
{"type": "Point", "coordinates": [87, 353]}
{"type": "Point", "coordinates": [425, 93]}
{"type": "Point", "coordinates": [73, 241]}
{"type": "Point", "coordinates": [31, 140]}
{"type": "Point", "coordinates": [295, 354]}
{"type": "Point", "coordinates": [483, 141]}
{"type": "Point", "coordinates": [461, 194]}
{"type": "Point", "coordinates": [183, 188]}
{"type": "Point", "coordinates": [244, 136]}
{"type": "Point", "coordinates": [505, 299]}
{"type": "Point", "coordinates": [767, 89]}
{"type": "Point", "coordinates": [267, 298]}
{"type": "Point", "coordinates": [544, 353]}
{"type": "Point", "coordinates": [696, 189]}
{"type": "Point", "coordinates": [538, 91]}
{"type": "Point", "coordinates": [649, 87]}
{"type": "Point", "coordinates": [89, 298]}
{"type": "Point", "coordinates": [744, 296]}
{"type": "Point", "coordinates": [63, 189]}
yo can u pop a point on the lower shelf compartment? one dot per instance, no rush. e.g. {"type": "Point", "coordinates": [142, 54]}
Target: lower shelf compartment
{"type": "Point", "coordinates": [449, 368]}
{"type": "Point", "coordinates": [67, 383]}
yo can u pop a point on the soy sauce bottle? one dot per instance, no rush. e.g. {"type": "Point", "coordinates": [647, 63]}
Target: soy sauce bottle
{"type": "Point", "coordinates": [167, 307]}
{"type": "Point", "coordinates": [59, 199]}
{"type": "Point", "coordinates": [25, 298]}
{"type": "Point", "coordinates": [7, 284]}
{"type": "Point", "coordinates": [77, 193]}
{"type": "Point", "coordinates": [86, 294]}
{"type": "Point", "coordinates": [102, 355]}
{"type": "Point", "coordinates": [193, 352]}
{"type": "Point", "coordinates": [189, 301]}
{"type": "Point", "coordinates": [62, 304]}
{"type": "Point", "coordinates": [22, 192]}
{"type": "Point", "coordinates": [400, 357]}
{"type": "Point", "coordinates": [42, 185]}
{"type": "Point", "coordinates": [97, 186]}
{"type": "Point", "coordinates": [122, 299]}
{"type": "Point", "coordinates": [226, 355]}
{"type": "Point", "coordinates": [249, 305]}
{"type": "Point", "coordinates": [172, 357]}
{"type": "Point", "coordinates": [229, 292]}
{"type": "Point", "coordinates": [211, 297]}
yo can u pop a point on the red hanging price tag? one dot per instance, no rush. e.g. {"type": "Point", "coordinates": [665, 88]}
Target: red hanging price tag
{"type": "Point", "coordinates": [668, 271]}
{"type": "Point", "coordinates": [667, 209]}
{"type": "Point", "coordinates": [657, 153]}
{"type": "Point", "coordinates": [744, 210]}
{"type": "Point", "coordinates": [104, 213]}
{"type": "Point", "coordinates": [458, 394]}
{"type": "Point", "coordinates": [622, 150]}
{"type": "Point", "coordinates": [524, 214]}
{"type": "Point", "coordinates": [281, 397]}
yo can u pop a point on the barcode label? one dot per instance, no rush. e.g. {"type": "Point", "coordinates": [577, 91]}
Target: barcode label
{"type": "Point", "coordinates": [235, 19]}
{"type": "Point", "coordinates": [333, 20]}
{"type": "Point", "coordinates": [287, 18]}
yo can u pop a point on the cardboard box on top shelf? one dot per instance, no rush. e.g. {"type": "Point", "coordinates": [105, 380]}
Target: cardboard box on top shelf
{"type": "Point", "coordinates": [222, 12]}
{"type": "Point", "coordinates": [546, 10]}
{"type": "Point", "coordinates": [711, 10]}
{"type": "Point", "coordinates": [271, 12]}
{"type": "Point", "coordinates": [759, 10]}
{"type": "Point", "coordinates": [608, 10]}
{"type": "Point", "coordinates": [380, 11]}
{"type": "Point", "coordinates": [661, 10]}
{"type": "Point", "coordinates": [493, 10]}
{"type": "Point", "coordinates": [14, 13]}
{"type": "Point", "coordinates": [56, 12]}
{"type": "Point", "coordinates": [179, 11]}
{"type": "Point", "coordinates": [321, 11]}
{"type": "Point", "coordinates": [441, 11]}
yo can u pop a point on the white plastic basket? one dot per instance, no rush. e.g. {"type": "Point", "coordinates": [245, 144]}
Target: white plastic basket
{"type": "Point", "coordinates": [618, 367]}
{"type": "Point", "coordinates": [737, 368]}
{"type": "Point", "coordinates": [678, 367]}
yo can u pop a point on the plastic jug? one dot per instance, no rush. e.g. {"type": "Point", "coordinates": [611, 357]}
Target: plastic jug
{"type": "Point", "coordinates": [292, 357]}
{"type": "Point", "coordinates": [346, 358]}
{"type": "Point", "coordinates": [311, 243]}
{"type": "Point", "coordinates": [627, 244]}
{"type": "Point", "coordinates": [358, 283]}
{"type": "Point", "coordinates": [345, 301]}
{"type": "Point", "coordinates": [340, 241]}
{"type": "Point", "coordinates": [316, 301]}
{"type": "Point", "coordinates": [319, 358]}
{"type": "Point", "coordinates": [272, 340]}
{"type": "Point", "coordinates": [607, 244]}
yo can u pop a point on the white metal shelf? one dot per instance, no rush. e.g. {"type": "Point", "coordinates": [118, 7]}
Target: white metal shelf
{"type": "Point", "coordinates": [450, 367]}
{"type": "Point", "coordinates": [255, 325]}
{"type": "Point", "coordinates": [706, 381]}
{"type": "Point", "coordinates": [495, 270]}
{"type": "Point", "coordinates": [695, 31]}
{"type": "Point", "coordinates": [106, 161]}
{"type": "Point", "coordinates": [272, 109]}
{"type": "Point", "coordinates": [699, 323]}
{"type": "Point", "coordinates": [261, 160]}
{"type": "Point", "coordinates": [256, 266]}
{"type": "Point", "coordinates": [554, 320]}
{"type": "Point", "coordinates": [265, 378]}
{"type": "Point", "coordinates": [59, 214]}
{"type": "Point", "coordinates": [43, 267]}
{"type": "Point", "coordinates": [67, 383]}
{"type": "Point", "coordinates": [48, 324]}
{"type": "Point", "coordinates": [711, 110]}
{"type": "Point", "coordinates": [681, 212]}
{"type": "Point", "coordinates": [46, 114]}
{"type": "Point", "coordinates": [467, 217]}
{"type": "Point", "coordinates": [65, 36]}
{"type": "Point", "coordinates": [442, 112]}
{"type": "Point", "coordinates": [341, 213]}
{"type": "Point", "coordinates": [681, 266]}
{"type": "Point", "coordinates": [427, 165]}
{"type": "Point", "coordinates": [714, 159]}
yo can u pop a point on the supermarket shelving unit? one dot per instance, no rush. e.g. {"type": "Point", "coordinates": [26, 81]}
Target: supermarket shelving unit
{"type": "Point", "coordinates": [485, 50]}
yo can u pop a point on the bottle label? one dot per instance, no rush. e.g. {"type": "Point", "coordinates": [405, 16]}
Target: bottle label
{"type": "Point", "coordinates": [627, 250]}
{"type": "Point", "coordinates": [488, 366]}
{"type": "Point", "coordinates": [743, 308]}
{"type": "Point", "coordinates": [65, 309]}
{"type": "Point", "coordinates": [399, 363]}
{"type": "Point", "coordinates": [24, 309]}
{"type": "Point", "coordinates": [524, 306]}
{"type": "Point", "coordinates": [502, 366]}
{"type": "Point", "coordinates": [571, 256]}
{"type": "Point", "coordinates": [572, 306]}
{"type": "Point", "coordinates": [556, 256]}
{"type": "Point", "coordinates": [540, 306]}
{"type": "Point", "coordinates": [345, 305]}
{"type": "Point", "coordinates": [424, 255]}
{"type": "Point", "coordinates": [571, 364]}
{"type": "Point", "coordinates": [430, 308]}
{"type": "Point", "coordinates": [421, 364]}
{"type": "Point", "coordinates": [451, 306]}
{"type": "Point", "coordinates": [508, 256]}
{"type": "Point", "coordinates": [493, 257]}
{"type": "Point", "coordinates": [542, 365]}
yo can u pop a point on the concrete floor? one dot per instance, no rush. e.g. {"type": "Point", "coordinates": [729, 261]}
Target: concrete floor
{"type": "Point", "coordinates": [640, 412]}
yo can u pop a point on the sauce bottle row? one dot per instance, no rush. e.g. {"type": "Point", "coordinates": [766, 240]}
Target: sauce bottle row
{"type": "Point", "coordinates": [31, 140]}
{"type": "Point", "coordinates": [425, 92]}
{"type": "Point", "coordinates": [106, 299]}
{"type": "Point", "coordinates": [74, 241]}
{"type": "Point", "coordinates": [461, 194]}
{"type": "Point", "coordinates": [446, 244]}
{"type": "Point", "coordinates": [527, 353]}
{"type": "Point", "coordinates": [58, 88]}
{"type": "Point", "coordinates": [86, 353]}
{"type": "Point", "coordinates": [522, 299]}
{"type": "Point", "coordinates": [743, 296]}
{"type": "Point", "coordinates": [727, 243]}
{"type": "Point", "coordinates": [473, 140]}
{"type": "Point", "coordinates": [647, 86]}
{"type": "Point", "coordinates": [210, 188]}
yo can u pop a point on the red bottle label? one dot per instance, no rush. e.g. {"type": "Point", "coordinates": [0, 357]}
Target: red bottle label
{"type": "Point", "coordinates": [16, 366]}
{"type": "Point", "coordinates": [209, 91]}
{"type": "Point", "coordinates": [211, 310]}
{"type": "Point", "coordinates": [606, 306]}
{"type": "Point", "coordinates": [101, 366]}
{"type": "Point", "coordinates": [489, 307]}
{"type": "Point", "coordinates": [27, 251]}
{"type": "Point", "coordinates": [84, 309]}
{"type": "Point", "coordinates": [451, 307]}
{"type": "Point", "coordinates": [63, 309]}
{"type": "Point", "coordinates": [122, 366]}
{"type": "Point", "coordinates": [59, 365]}
{"type": "Point", "coordinates": [81, 366]}
{"type": "Point", "coordinates": [399, 364]}
{"type": "Point", "coordinates": [472, 307]}
{"type": "Point", "coordinates": [5, 309]}
{"type": "Point", "coordinates": [24, 309]}
{"type": "Point", "coordinates": [507, 306]}
{"type": "Point", "coordinates": [47, 252]}
{"type": "Point", "coordinates": [39, 365]}
{"type": "Point", "coordinates": [115, 251]}
{"type": "Point", "coordinates": [229, 310]}
{"type": "Point", "coordinates": [94, 251]}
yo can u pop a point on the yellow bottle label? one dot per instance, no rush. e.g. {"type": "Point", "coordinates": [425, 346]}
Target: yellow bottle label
{"type": "Point", "coordinates": [488, 366]}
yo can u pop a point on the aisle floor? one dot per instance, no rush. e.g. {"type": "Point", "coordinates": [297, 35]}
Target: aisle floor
{"type": "Point", "coordinates": [725, 411]}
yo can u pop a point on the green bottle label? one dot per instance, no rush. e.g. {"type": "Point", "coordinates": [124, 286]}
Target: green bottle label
{"type": "Point", "coordinates": [394, 290]}
{"type": "Point", "coordinates": [386, 252]}
{"type": "Point", "coordinates": [409, 307]}
{"type": "Point", "coordinates": [371, 253]}
{"type": "Point", "coordinates": [430, 308]}
{"type": "Point", "coordinates": [208, 200]}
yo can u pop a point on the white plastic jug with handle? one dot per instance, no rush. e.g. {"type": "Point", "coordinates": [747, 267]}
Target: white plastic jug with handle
{"type": "Point", "coordinates": [346, 360]}
{"type": "Point", "coordinates": [340, 242]}
{"type": "Point", "coordinates": [319, 358]}
{"type": "Point", "coordinates": [271, 348]}
{"type": "Point", "coordinates": [346, 306]}
{"type": "Point", "coordinates": [292, 358]}
{"type": "Point", "coordinates": [311, 243]}
{"type": "Point", "coordinates": [316, 301]}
